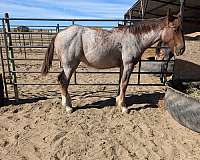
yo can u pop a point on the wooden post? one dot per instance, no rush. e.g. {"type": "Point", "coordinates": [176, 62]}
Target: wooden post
{"type": "Point", "coordinates": [11, 56]}
{"type": "Point", "coordinates": [1, 91]}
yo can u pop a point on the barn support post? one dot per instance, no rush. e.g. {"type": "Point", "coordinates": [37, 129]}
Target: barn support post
{"type": "Point", "coordinates": [142, 9]}
{"type": "Point", "coordinates": [10, 54]}
{"type": "Point", "coordinates": [142, 17]}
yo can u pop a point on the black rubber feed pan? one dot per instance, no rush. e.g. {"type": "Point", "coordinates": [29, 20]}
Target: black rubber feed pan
{"type": "Point", "coordinates": [183, 108]}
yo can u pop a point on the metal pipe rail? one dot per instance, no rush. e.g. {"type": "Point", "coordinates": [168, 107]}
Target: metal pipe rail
{"type": "Point", "coordinates": [46, 33]}
{"type": "Point", "coordinates": [71, 19]}
{"type": "Point", "coordinates": [35, 59]}
{"type": "Point", "coordinates": [90, 72]}
{"type": "Point", "coordinates": [89, 84]}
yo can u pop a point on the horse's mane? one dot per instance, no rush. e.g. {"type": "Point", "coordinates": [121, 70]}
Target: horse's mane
{"type": "Point", "coordinates": [142, 26]}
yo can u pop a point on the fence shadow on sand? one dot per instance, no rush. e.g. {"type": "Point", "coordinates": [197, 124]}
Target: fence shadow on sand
{"type": "Point", "coordinates": [23, 101]}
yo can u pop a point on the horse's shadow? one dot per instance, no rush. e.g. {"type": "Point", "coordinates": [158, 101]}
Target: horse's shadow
{"type": "Point", "coordinates": [133, 102]}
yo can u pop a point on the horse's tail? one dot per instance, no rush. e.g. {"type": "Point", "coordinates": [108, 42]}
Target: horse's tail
{"type": "Point", "coordinates": [47, 63]}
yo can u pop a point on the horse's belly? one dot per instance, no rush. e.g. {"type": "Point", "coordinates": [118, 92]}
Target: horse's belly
{"type": "Point", "coordinates": [102, 60]}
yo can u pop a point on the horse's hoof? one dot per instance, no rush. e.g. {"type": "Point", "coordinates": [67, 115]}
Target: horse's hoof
{"type": "Point", "coordinates": [125, 110]}
{"type": "Point", "coordinates": [69, 109]}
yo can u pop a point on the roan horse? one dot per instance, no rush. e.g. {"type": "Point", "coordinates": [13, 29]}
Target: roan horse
{"type": "Point", "coordinates": [120, 47]}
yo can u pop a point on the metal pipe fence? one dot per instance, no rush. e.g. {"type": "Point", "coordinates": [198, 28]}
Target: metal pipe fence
{"type": "Point", "coordinates": [18, 45]}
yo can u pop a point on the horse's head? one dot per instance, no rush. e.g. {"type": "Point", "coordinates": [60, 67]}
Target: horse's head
{"type": "Point", "coordinates": [172, 34]}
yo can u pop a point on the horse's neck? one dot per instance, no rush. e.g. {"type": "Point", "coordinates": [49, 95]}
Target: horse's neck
{"type": "Point", "coordinates": [149, 38]}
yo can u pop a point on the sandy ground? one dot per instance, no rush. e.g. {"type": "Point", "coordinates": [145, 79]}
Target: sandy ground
{"type": "Point", "coordinates": [39, 128]}
{"type": "Point", "coordinates": [97, 130]}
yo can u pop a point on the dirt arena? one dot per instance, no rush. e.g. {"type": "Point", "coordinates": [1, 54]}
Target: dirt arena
{"type": "Point", "coordinates": [39, 128]}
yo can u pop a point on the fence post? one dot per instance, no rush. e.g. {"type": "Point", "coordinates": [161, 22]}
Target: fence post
{"type": "Point", "coordinates": [57, 30]}
{"type": "Point", "coordinates": [75, 70]}
{"type": "Point", "coordinates": [6, 48]}
{"type": "Point", "coordinates": [11, 56]}
{"type": "Point", "coordinates": [1, 91]}
{"type": "Point", "coordinates": [20, 43]}
{"type": "Point", "coordinates": [24, 43]}
{"type": "Point", "coordinates": [3, 74]}
{"type": "Point", "coordinates": [41, 30]}
{"type": "Point", "coordinates": [139, 69]}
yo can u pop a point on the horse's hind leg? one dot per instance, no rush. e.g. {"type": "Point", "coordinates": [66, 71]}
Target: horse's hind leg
{"type": "Point", "coordinates": [64, 82]}
{"type": "Point", "coordinates": [64, 79]}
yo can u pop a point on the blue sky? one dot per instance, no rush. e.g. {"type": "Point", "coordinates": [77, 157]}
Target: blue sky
{"type": "Point", "coordinates": [90, 9]}
{"type": "Point", "coordinates": [65, 8]}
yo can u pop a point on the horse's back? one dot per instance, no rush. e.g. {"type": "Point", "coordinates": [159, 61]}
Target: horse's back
{"type": "Point", "coordinates": [69, 32]}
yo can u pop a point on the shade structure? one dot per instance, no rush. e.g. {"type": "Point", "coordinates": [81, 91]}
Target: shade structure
{"type": "Point", "coordinates": [158, 8]}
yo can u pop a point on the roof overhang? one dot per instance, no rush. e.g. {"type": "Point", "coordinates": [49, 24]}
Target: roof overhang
{"type": "Point", "coordinates": [159, 8]}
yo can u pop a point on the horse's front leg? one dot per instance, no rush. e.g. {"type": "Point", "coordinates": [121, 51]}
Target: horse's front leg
{"type": "Point", "coordinates": [120, 100]}
{"type": "Point", "coordinates": [120, 77]}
